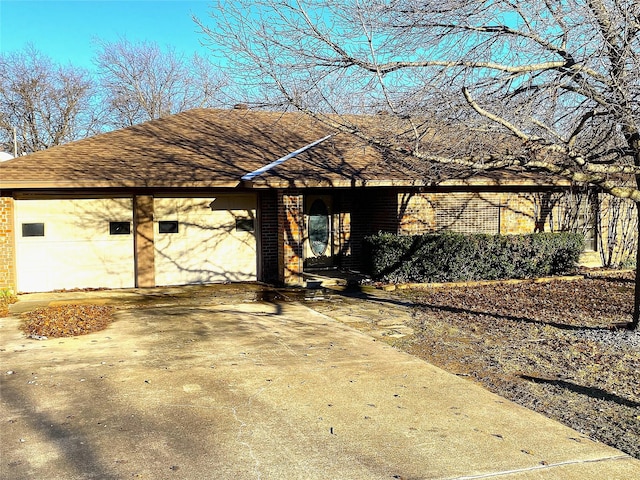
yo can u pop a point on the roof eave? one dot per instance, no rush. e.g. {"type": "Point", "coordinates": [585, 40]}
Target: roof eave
{"type": "Point", "coordinates": [361, 182]}
{"type": "Point", "coordinates": [505, 182]}
{"type": "Point", "coordinates": [69, 185]}
{"type": "Point", "coordinates": [330, 183]}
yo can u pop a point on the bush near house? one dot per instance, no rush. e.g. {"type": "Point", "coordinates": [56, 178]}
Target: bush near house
{"type": "Point", "coordinates": [452, 257]}
{"type": "Point", "coordinates": [7, 297]}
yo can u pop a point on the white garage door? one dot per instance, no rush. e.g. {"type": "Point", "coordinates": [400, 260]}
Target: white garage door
{"type": "Point", "coordinates": [202, 240]}
{"type": "Point", "coordinates": [66, 244]}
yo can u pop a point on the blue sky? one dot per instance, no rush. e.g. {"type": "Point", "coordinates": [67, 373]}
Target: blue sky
{"type": "Point", "coordinates": [65, 30]}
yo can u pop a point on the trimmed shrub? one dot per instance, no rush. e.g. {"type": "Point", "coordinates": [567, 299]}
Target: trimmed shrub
{"type": "Point", "coordinates": [452, 257]}
{"type": "Point", "coordinates": [7, 297]}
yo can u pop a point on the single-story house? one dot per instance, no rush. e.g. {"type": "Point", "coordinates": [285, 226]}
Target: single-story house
{"type": "Point", "coordinates": [233, 195]}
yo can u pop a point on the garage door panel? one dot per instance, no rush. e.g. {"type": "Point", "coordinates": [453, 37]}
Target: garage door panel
{"type": "Point", "coordinates": [220, 257]}
{"type": "Point", "coordinates": [215, 241]}
{"type": "Point", "coordinates": [88, 267]}
{"type": "Point", "coordinates": [207, 246]}
{"type": "Point", "coordinates": [77, 249]}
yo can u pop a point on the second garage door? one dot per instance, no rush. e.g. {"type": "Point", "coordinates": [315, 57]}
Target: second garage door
{"type": "Point", "coordinates": [203, 240]}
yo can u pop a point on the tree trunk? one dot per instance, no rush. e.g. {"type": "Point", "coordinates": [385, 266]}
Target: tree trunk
{"type": "Point", "coordinates": [633, 325]}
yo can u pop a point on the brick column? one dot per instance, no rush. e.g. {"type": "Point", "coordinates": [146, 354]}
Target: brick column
{"type": "Point", "coordinates": [7, 245]}
{"type": "Point", "coordinates": [268, 245]}
{"type": "Point", "coordinates": [290, 237]}
{"type": "Point", "coordinates": [143, 241]}
{"type": "Point", "coordinates": [342, 208]}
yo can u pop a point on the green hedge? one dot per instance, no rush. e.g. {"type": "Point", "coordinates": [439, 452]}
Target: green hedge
{"type": "Point", "coordinates": [452, 257]}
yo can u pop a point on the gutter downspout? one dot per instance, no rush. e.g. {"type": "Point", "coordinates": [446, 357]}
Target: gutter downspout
{"type": "Point", "coordinates": [250, 176]}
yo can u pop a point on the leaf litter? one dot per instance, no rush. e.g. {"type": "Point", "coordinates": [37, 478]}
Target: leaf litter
{"type": "Point", "coordinates": [553, 347]}
{"type": "Point", "coordinates": [66, 320]}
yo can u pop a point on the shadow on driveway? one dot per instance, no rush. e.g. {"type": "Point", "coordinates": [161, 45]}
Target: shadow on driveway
{"type": "Point", "coordinates": [208, 383]}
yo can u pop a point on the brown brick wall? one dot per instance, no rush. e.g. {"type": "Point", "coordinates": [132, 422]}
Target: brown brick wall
{"type": "Point", "coordinates": [517, 213]}
{"type": "Point", "coordinates": [416, 214]}
{"type": "Point", "coordinates": [268, 211]}
{"type": "Point", "coordinates": [7, 244]}
{"type": "Point", "coordinates": [371, 210]}
{"type": "Point", "coordinates": [144, 241]}
{"type": "Point", "coordinates": [342, 208]}
{"type": "Point", "coordinates": [290, 237]}
{"type": "Point", "coordinates": [382, 206]}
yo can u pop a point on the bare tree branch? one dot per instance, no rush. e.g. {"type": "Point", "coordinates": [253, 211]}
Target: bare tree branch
{"type": "Point", "coordinates": [47, 104]}
{"type": "Point", "coordinates": [141, 81]}
{"type": "Point", "coordinates": [558, 83]}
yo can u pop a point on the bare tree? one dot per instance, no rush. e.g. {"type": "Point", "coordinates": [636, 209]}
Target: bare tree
{"type": "Point", "coordinates": [47, 104]}
{"type": "Point", "coordinates": [141, 81]}
{"type": "Point", "coordinates": [618, 234]}
{"type": "Point", "coordinates": [557, 83]}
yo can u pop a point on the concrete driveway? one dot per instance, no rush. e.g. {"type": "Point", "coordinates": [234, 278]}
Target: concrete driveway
{"type": "Point", "coordinates": [194, 384]}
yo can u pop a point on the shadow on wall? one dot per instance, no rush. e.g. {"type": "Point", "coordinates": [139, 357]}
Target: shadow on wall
{"type": "Point", "coordinates": [90, 242]}
{"type": "Point", "coordinates": [205, 240]}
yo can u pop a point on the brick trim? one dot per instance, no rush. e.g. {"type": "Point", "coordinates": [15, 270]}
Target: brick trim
{"type": "Point", "coordinates": [268, 230]}
{"type": "Point", "coordinates": [7, 244]}
{"type": "Point", "coordinates": [144, 241]}
{"type": "Point", "coordinates": [290, 237]}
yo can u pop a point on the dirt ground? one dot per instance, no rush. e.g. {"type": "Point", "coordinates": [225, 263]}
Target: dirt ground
{"type": "Point", "coordinates": [548, 346]}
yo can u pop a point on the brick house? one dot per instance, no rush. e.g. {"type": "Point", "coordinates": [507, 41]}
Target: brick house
{"type": "Point", "coordinates": [233, 195]}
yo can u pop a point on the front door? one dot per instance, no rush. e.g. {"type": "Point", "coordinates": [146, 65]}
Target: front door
{"type": "Point", "coordinates": [319, 234]}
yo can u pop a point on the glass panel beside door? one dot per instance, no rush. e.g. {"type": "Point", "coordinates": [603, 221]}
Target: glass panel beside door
{"type": "Point", "coordinates": [319, 244]}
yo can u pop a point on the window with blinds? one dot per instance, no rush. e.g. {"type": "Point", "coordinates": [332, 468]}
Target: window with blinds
{"type": "Point", "coordinates": [467, 213]}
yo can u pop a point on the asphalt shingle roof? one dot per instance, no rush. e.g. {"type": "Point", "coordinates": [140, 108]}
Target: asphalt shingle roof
{"type": "Point", "coordinates": [209, 148]}
{"type": "Point", "coordinates": [197, 148]}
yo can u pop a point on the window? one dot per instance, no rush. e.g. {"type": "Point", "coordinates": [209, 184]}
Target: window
{"type": "Point", "coordinates": [244, 225]}
{"type": "Point", "coordinates": [318, 228]}
{"type": "Point", "coordinates": [33, 229]}
{"type": "Point", "coordinates": [119, 228]}
{"type": "Point", "coordinates": [574, 211]}
{"type": "Point", "coordinates": [170, 226]}
{"type": "Point", "coordinates": [467, 214]}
